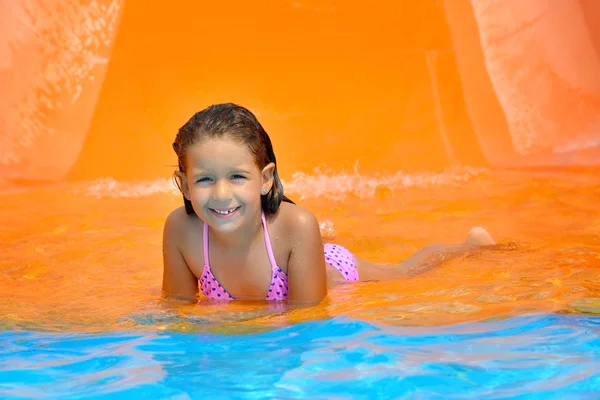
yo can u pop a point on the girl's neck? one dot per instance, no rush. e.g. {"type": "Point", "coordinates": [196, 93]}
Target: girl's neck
{"type": "Point", "coordinates": [242, 238]}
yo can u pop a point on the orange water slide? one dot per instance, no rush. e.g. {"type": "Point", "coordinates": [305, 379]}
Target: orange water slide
{"type": "Point", "coordinates": [531, 79]}
{"type": "Point", "coordinates": [98, 88]}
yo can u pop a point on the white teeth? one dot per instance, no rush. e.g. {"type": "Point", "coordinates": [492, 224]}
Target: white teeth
{"type": "Point", "coordinates": [225, 212]}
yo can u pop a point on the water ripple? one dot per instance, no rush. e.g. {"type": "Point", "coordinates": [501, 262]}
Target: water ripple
{"type": "Point", "coordinates": [548, 356]}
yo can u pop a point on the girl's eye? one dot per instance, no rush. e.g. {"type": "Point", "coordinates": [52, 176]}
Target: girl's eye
{"type": "Point", "coordinates": [200, 180]}
{"type": "Point", "coordinates": [237, 176]}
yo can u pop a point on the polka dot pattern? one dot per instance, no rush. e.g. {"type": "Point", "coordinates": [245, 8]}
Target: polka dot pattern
{"type": "Point", "coordinates": [341, 259]}
{"type": "Point", "coordinates": [279, 285]}
{"type": "Point", "coordinates": [211, 288]}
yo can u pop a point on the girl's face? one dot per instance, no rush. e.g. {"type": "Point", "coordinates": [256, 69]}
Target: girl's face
{"type": "Point", "coordinates": [224, 184]}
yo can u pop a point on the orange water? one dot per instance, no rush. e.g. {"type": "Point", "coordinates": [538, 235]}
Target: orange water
{"type": "Point", "coordinates": [73, 261]}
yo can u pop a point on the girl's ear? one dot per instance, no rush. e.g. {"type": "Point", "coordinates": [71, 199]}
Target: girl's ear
{"type": "Point", "coordinates": [182, 183]}
{"type": "Point", "coordinates": [267, 178]}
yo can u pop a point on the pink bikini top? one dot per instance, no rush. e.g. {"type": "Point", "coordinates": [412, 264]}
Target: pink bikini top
{"type": "Point", "coordinates": [211, 288]}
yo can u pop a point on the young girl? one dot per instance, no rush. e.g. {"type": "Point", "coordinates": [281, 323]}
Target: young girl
{"type": "Point", "coordinates": [239, 237]}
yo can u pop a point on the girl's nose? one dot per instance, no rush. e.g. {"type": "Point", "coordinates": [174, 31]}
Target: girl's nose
{"type": "Point", "coordinates": [222, 190]}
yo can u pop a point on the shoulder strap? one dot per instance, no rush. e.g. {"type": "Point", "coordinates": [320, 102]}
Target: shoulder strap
{"type": "Point", "coordinates": [268, 243]}
{"type": "Point", "coordinates": [205, 240]}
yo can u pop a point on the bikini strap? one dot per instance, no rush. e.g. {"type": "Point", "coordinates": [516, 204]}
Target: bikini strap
{"type": "Point", "coordinates": [205, 240]}
{"type": "Point", "coordinates": [268, 243]}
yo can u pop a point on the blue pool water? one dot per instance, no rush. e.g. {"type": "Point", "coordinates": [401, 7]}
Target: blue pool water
{"type": "Point", "coordinates": [547, 356]}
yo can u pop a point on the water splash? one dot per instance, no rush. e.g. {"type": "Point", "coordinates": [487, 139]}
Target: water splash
{"type": "Point", "coordinates": [110, 188]}
{"type": "Point", "coordinates": [321, 183]}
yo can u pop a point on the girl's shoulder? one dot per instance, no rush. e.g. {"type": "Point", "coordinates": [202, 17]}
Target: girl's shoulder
{"type": "Point", "coordinates": [294, 220]}
{"type": "Point", "coordinates": [178, 222]}
{"type": "Point", "coordinates": [180, 216]}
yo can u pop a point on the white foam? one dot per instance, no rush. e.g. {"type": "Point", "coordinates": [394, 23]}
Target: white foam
{"type": "Point", "coordinates": [110, 188]}
{"type": "Point", "coordinates": [320, 183]}
{"type": "Point", "coordinates": [336, 186]}
{"type": "Point", "coordinates": [578, 144]}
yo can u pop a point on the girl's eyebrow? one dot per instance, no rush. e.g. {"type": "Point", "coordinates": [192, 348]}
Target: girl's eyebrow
{"type": "Point", "coordinates": [200, 171]}
{"type": "Point", "coordinates": [240, 170]}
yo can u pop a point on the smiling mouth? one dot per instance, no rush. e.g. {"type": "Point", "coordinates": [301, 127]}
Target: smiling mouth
{"type": "Point", "coordinates": [225, 212]}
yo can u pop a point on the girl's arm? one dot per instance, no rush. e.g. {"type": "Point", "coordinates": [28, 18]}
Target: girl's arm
{"type": "Point", "coordinates": [178, 280]}
{"type": "Point", "coordinates": [306, 266]}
